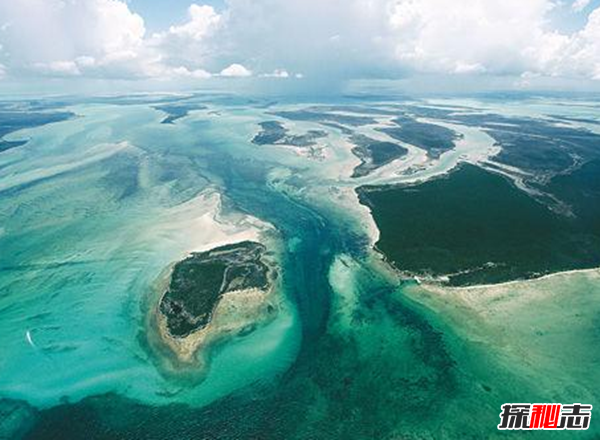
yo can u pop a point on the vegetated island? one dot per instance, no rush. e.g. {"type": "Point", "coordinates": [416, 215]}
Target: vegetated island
{"type": "Point", "coordinates": [274, 133]}
{"type": "Point", "coordinates": [473, 226]}
{"type": "Point", "coordinates": [374, 153]}
{"type": "Point", "coordinates": [177, 111]}
{"type": "Point", "coordinates": [432, 138]}
{"type": "Point", "coordinates": [13, 120]}
{"type": "Point", "coordinates": [540, 148]}
{"type": "Point", "coordinates": [323, 117]}
{"type": "Point", "coordinates": [221, 292]}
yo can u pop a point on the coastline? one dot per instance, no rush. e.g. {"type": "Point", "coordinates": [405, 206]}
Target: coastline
{"type": "Point", "coordinates": [564, 273]}
{"type": "Point", "coordinates": [237, 312]}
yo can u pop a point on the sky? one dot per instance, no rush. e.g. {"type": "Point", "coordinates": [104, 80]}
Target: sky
{"type": "Point", "coordinates": [322, 44]}
{"type": "Point", "coordinates": [160, 14]}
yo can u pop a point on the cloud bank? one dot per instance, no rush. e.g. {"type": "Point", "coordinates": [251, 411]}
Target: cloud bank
{"type": "Point", "coordinates": [290, 39]}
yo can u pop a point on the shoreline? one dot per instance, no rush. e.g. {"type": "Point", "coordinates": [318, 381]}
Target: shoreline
{"type": "Point", "coordinates": [564, 273]}
{"type": "Point", "coordinates": [237, 312]}
{"type": "Point", "coordinates": [473, 267]}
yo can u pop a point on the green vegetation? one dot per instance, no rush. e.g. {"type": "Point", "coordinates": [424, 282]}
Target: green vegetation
{"type": "Point", "coordinates": [199, 281]}
{"type": "Point", "coordinates": [274, 133]}
{"type": "Point", "coordinates": [177, 111]}
{"type": "Point", "coordinates": [374, 154]}
{"type": "Point", "coordinates": [271, 133]}
{"type": "Point", "coordinates": [476, 227]}
{"type": "Point", "coordinates": [14, 120]}
{"type": "Point", "coordinates": [435, 139]}
{"type": "Point", "coordinates": [322, 117]}
{"type": "Point", "coordinates": [538, 146]}
{"type": "Point", "coordinates": [580, 191]}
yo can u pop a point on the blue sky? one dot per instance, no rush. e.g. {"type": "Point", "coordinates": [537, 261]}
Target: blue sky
{"type": "Point", "coordinates": [566, 19]}
{"type": "Point", "coordinates": [302, 43]}
{"type": "Point", "coordinates": [160, 14]}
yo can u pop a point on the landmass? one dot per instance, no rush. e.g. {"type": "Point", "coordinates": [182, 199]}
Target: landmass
{"type": "Point", "coordinates": [314, 115]}
{"type": "Point", "coordinates": [575, 119]}
{"type": "Point", "coordinates": [374, 154]}
{"type": "Point", "coordinates": [536, 146]}
{"type": "Point", "coordinates": [12, 120]}
{"type": "Point", "coordinates": [274, 133]}
{"type": "Point", "coordinates": [210, 294]}
{"type": "Point", "coordinates": [432, 138]}
{"type": "Point", "coordinates": [177, 111]}
{"type": "Point", "coordinates": [473, 226]}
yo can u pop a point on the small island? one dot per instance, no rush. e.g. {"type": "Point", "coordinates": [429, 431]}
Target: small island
{"type": "Point", "coordinates": [177, 111]}
{"type": "Point", "coordinates": [223, 291]}
{"type": "Point", "coordinates": [432, 138]}
{"type": "Point", "coordinates": [12, 120]}
{"type": "Point", "coordinates": [374, 154]}
{"type": "Point", "coordinates": [274, 133]}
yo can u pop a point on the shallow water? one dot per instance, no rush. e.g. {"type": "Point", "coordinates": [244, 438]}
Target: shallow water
{"type": "Point", "coordinates": [91, 215]}
{"type": "Point", "coordinates": [80, 253]}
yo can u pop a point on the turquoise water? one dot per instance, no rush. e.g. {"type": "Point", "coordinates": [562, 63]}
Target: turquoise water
{"type": "Point", "coordinates": [94, 209]}
{"type": "Point", "coordinates": [88, 226]}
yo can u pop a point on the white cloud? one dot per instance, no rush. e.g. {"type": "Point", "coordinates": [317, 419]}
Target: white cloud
{"type": "Point", "coordinates": [335, 40]}
{"type": "Point", "coordinates": [203, 20]}
{"type": "Point", "coordinates": [101, 38]}
{"type": "Point", "coordinates": [235, 71]}
{"type": "Point", "coordinates": [467, 35]}
{"type": "Point", "coordinates": [579, 55]}
{"type": "Point", "coordinates": [61, 68]}
{"type": "Point", "coordinates": [54, 33]}
{"type": "Point", "coordinates": [184, 72]}
{"type": "Point", "coordinates": [461, 67]}
{"type": "Point", "coordinates": [496, 37]}
{"type": "Point", "coordinates": [189, 44]}
{"type": "Point", "coordinates": [277, 73]}
{"type": "Point", "coordinates": [85, 61]}
{"type": "Point", "coordinates": [327, 40]}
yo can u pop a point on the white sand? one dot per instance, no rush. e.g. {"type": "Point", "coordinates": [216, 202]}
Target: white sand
{"type": "Point", "coordinates": [237, 309]}
{"type": "Point", "coordinates": [209, 227]}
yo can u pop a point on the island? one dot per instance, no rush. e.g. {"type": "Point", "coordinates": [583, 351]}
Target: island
{"type": "Point", "coordinates": [432, 138]}
{"type": "Point", "coordinates": [322, 117]}
{"type": "Point", "coordinates": [538, 147]}
{"type": "Point", "coordinates": [12, 120]}
{"type": "Point", "coordinates": [224, 291]}
{"type": "Point", "coordinates": [177, 111]}
{"type": "Point", "coordinates": [274, 133]}
{"type": "Point", "coordinates": [374, 154]}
